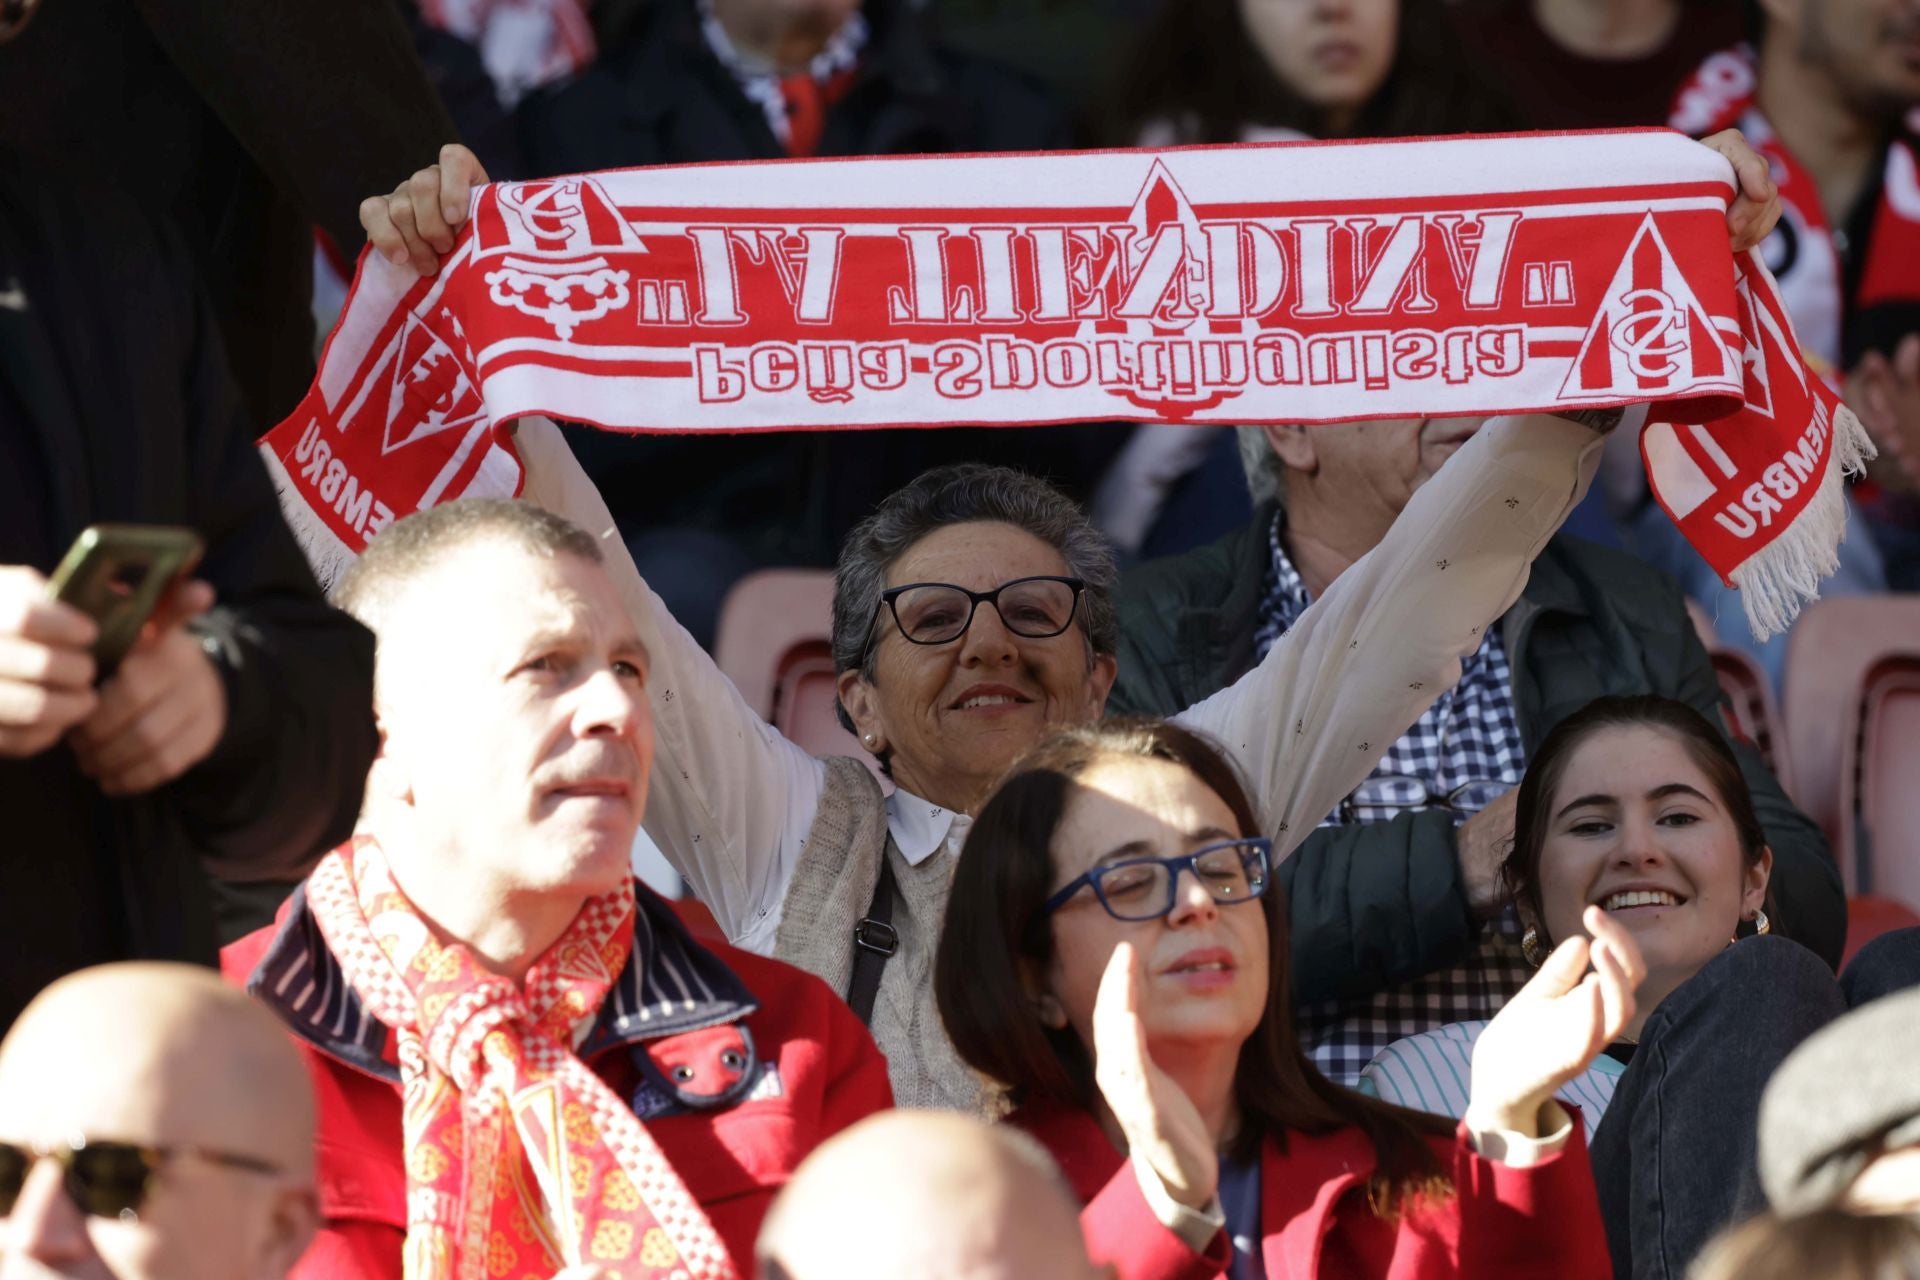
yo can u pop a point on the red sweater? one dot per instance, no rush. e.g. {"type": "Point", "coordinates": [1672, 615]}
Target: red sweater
{"type": "Point", "coordinates": [734, 1136]}
{"type": "Point", "coordinates": [1502, 1222]}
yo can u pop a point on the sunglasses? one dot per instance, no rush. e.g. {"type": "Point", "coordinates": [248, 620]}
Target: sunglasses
{"type": "Point", "coordinates": [106, 1179]}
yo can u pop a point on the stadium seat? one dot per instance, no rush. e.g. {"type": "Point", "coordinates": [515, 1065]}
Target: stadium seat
{"type": "Point", "coordinates": [1886, 826]}
{"type": "Point", "coordinates": [774, 643]}
{"type": "Point", "coordinates": [1869, 916]}
{"type": "Point", "coordinates": [1830, 651]}
{"type": "Point", "coordinates": [1755, 715]}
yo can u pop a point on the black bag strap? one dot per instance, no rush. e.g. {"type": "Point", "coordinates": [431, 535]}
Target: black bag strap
{"type": "Point", "coordinates": [874, 942]}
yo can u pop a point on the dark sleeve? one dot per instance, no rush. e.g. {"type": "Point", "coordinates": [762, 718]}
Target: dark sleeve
{"type": "Point", "coordinates": [1811, 901]}
{"type": "Point", "coordinates": [329, 99]}
{"type": "Point", "coordinates": [284, 782]}
{"type": "Point", "coordinates": [1374, 905]}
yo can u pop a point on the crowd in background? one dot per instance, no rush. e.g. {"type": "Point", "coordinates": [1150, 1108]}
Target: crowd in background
{"type": "Point", "coordinates": [1552, 976]}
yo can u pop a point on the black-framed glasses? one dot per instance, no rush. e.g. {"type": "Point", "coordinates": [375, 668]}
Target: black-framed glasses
{"type": "Point", "coordinates": [1233, 871]}
{"type": "Point", "coordinates": [106, 1179]}
{"type": "Point", "coordinates": [940, 612]}
{"type": "Point", "coordinates": [1385, 796]}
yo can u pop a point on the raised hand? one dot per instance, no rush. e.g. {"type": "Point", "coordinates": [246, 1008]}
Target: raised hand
{"type": "Point", "coordinates": [1161, 1124]}
{"type": "Point", "coordinates": [1885, 392]}
{"type": "Point", "coordinates": [416, 223]}
{"type": "Point", "coordinates": [1550, 1032]}
{"type": "Point", "coordinates": [46, 668]}
{"type": "Point", "coordinates": [1756, 201]}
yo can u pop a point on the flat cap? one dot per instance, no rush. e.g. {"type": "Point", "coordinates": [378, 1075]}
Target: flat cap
{"type": "Point", "coordinates": [1850, 1089]}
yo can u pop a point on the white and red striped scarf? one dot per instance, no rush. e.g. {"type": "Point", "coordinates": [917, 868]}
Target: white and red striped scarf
{"type": "Point", "coordinates": [1309, 282]}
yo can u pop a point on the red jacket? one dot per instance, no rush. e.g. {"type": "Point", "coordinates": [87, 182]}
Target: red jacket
{"type": "Point", "coordinates": [740, 1066]}
{"type": "Point", "coordinates": [1502, 1222]}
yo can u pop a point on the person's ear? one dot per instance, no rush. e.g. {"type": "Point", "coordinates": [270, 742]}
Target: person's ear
{"type": "Point", "coordinates": [1294, 446]}
{"type": "Point", "coordinates": [1046, 1005]}
{"type": "Point", "coordinates": [1753, 897]}
{"type": "Point", "coordinates": [1101, 673]}
{"type": "Point", "coordinates": [293, 1219]}
{"type": "Point", "coordinates": [863, 708]}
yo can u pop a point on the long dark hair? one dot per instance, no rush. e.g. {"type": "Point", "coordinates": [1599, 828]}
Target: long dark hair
{"type": "Point", "coordinates": [995, 933]}
{"type": "Point", "coordinates": [1197, 65]}
{"type": "Point", "coordinates": [1533, 808]}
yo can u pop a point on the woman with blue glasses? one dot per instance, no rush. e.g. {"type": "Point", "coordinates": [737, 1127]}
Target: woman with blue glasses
{"type": "Point", "coordinates": [1114, 959]}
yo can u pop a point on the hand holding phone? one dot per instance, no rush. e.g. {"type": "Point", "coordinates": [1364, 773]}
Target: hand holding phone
{"type": "Point", "coordinates": [46, 664]}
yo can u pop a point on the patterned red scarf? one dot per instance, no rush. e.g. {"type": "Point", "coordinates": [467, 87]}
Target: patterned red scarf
{"type": "Point", "coordinates": [520, 1161]}
{"type": "Point", "coordinates": [1279, 283]}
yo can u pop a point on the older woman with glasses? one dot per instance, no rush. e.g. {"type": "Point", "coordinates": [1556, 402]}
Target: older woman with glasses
{"type": "Point", "coordinates": [1114, 959]}
{"type": "Point", "coordinates": [815, 862]}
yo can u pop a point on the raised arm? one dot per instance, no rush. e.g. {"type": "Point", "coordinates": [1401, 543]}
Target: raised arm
{"type": "Point", "coordinates": [730, 799]}
{"type": "Point", "coordinates": [1383, 641]}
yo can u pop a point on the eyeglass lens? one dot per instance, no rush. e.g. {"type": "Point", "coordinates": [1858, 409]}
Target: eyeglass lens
{"type": "Point", "coordinates": [1386, 795]}
{"type": "Point", "coordinates": [1032, 607]}
{"type": "Point", "coordinates": [1143, 890]}
{"type": "Point", "coordinates": [105, 1180]}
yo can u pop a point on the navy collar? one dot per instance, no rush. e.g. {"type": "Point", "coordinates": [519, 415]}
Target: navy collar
{"type": "Point", "coordinates": [671, 985]}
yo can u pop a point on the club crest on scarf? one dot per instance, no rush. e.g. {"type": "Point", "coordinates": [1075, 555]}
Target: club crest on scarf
{"type": "Point", "coordinates": [520, 1161]}
{"type": "Point", "coordinates": [1274, 283]}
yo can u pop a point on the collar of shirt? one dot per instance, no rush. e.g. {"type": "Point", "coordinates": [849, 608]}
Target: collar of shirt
{"type": "Point", "coordinates": [1286, 596]}
{"type": "Point", "coordinates": [920, 827]}
{"type": "Point", "coordinates": [761, 81]}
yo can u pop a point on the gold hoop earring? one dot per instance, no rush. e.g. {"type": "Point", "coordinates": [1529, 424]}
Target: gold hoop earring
{"type": "Point", "coordinates": [1530, 947]}
{"type": "Point", "coordinates": [1761, 925]}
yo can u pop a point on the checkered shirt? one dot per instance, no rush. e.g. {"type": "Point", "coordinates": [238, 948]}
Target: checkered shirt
{"type": "Point", "coordinates": [1469, 734]}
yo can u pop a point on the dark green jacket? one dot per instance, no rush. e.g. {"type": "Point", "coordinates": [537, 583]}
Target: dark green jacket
{"type": "Point", "coordinates": [1379, 904]}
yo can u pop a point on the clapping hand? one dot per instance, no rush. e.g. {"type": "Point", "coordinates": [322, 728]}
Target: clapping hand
{"type": "Point", "coordinates": [1551, 1031]}
{"type": "Point", "coordinates": [1161, 1124]}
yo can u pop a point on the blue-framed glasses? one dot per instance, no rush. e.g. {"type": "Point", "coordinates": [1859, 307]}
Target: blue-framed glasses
{"type": "Point", "coordinates": [1233, 871]}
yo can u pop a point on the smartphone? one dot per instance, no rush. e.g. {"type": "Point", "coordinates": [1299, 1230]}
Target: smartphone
{"type": "Point", "coordinates": [117, 575]}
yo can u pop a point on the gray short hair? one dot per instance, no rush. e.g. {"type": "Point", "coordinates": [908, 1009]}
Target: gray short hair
{"type": "Point", "coordinates": [407, 548]}
{"type": "Point", "coordinates": [1266, 474]}
{"type": "Point", "coordinates": [959, 495]}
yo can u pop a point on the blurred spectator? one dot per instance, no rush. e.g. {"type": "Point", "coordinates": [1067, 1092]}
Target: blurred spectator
{"type": "Point", "coordinates": [1829, 1244]}
{"type": "Point", "coordinates": [1856, 1146]}
{"type": "Point", "coordinates": [488, 898]}
{"type": "Point", "coordinates": [678, 81]}
{"type": "Point", "coordinates": [1636, 805]}
{"type": "Point", "coordinates": [1267, 70]}
{"type": "Point", "coordinates": [958, 1199]}
{"type": "Point", "coordinates": [235, 736]}
{"type": "Point", "coordinates": [246, 124]}
{"type": "Point", "coordinates": [1254, 71]}
{"type": "Point", "coordinates": [1592, 64]}
{"type": "Point", "coordinates": [1113, 962]}
{"type": "Point", "coordinates": [1399, 923]}
{"type": "Point", "coordinates": [1826, 98]}
{"type": "Point", "coordinates": [154, 1125]}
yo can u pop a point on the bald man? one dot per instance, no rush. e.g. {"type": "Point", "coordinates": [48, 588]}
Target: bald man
{"type": "Point", "coordinates": [181, 1118]}
{"type": "Point", "coordinates": [959, 1200]}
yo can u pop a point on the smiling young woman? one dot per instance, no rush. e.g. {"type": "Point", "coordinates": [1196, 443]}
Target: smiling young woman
{"type": "Point", "coordinates": [1636, 807]}
{"type": "Point", "coordinates": [1114, 958]}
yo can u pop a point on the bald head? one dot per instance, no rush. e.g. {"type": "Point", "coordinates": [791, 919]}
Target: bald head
{"type": "Point", "coordinates": [926, 1194]}
{"type": "Point", "coordinates": [161, 1054]}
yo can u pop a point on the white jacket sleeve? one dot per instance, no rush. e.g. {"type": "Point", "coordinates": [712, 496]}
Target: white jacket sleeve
{"type": "Point", "coordinates": [730, 800]}
{"type": "Point", "coordinates": [1365, 661]}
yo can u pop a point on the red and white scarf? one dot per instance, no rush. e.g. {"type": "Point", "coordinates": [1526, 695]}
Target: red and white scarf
{"type": "Point", "coordinates": [1801, 254]}
{"type": "Point", "coordinates": [520, 1161]}
{"type": "Point", "coordinates": [1312, 282]}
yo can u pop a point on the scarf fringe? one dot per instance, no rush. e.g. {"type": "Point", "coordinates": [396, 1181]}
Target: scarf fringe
{"type": "Point", "coordinates": [1783, 576]}
{"type": "Point", "coordinates": [326, 555]}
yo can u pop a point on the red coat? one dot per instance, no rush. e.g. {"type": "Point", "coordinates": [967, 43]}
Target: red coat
{"type": "Point", "coordinates": [797, 1067]}
{"type": "Point", "coordinates": [1502, 1222]}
